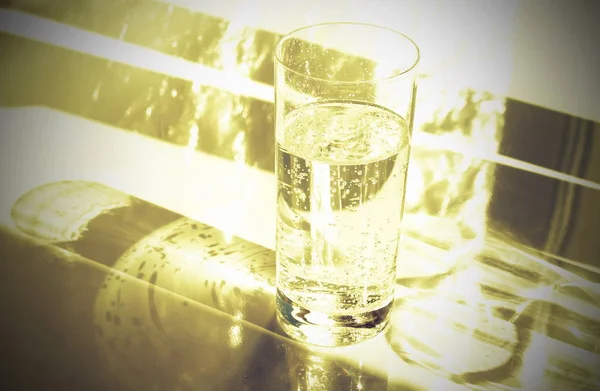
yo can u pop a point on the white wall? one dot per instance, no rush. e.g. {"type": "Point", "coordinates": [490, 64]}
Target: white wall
{"type": "Point", "coordinates": [557, 60]}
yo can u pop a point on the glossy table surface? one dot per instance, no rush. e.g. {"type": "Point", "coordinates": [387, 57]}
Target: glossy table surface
{"type": "Point", "coordinates": [137, 221]}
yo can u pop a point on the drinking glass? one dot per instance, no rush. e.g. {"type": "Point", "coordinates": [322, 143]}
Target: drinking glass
{"type": "Point", "coordinates": [344, 103]}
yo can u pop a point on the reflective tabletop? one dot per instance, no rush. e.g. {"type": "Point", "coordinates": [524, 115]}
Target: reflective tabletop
{"type": "Point", "coordinates": [137, 220]}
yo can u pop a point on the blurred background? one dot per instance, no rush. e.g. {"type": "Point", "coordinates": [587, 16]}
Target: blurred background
{"type": "Point", "coordinates": [513, 83]}
{"type": "Point", "coordinates": [540, 51]}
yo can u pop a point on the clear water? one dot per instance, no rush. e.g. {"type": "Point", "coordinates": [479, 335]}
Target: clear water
{"type": "Point", "coordinates": [341, 169]}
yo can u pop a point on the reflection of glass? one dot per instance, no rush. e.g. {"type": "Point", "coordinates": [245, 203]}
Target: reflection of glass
{"type": "Point", "coordinates": [168, 289]}
{"type": "Point", "coordinates": [563, 348]}
{"type": "Point", "coordinates": [311, 371]}
{"type": "Point", "coordinates": [343, 129]}
{"type": "Point", "coordinates": [142, 240]}
{"type": "Point", "coordinates": [509, 321]}
{"type": "Point", "coordinates": [452, 331]}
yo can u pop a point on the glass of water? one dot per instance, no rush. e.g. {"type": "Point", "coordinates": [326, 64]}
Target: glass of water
{"type": "Point", "coordinates": [344, 103]}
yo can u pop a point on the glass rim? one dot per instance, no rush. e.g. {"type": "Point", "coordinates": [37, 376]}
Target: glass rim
{"type": "Point", "coordinates": [290, 34]}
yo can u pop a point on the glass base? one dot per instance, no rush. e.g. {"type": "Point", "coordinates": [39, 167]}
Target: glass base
{"type": "Point", "coordinates": [322, 329]}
